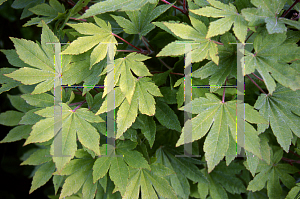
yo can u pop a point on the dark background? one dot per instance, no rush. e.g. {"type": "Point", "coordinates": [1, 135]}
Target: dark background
{"type": "Point", "coordinates": [15, 181]}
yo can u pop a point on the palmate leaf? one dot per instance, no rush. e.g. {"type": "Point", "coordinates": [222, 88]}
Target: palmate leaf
{"type": "Point", "coordinates": [44, 171]}
{"type": "Point", "coordinates": [79, 175]}
{"type": "Point", "coordinates": [267, 11]}
{"type": "Point", "coordinates": [99, 36]}
{"type": "Point", "coordinates": [282, 111]}
{"type": "Point", "coordinates": [202, 48]}
{"type": "Point", "coordinates": [140, 20]}
{"type": "Point", "coordinates": [184, 170]}
{"type": "Point", "coordinates": [219, 73]}
{"type": "Point", "coordinates": [271, 56]}
{"type": "Point", "coordinates": [117, 166]}
{"type": "Point", "coordinates": [219, 120]}
{"type": "Point", "coordinates": [271, 174]}
{"type": "Point", "coordinates": [41, 60]}
{"type": "Point", "coordinates": [113, 5]}
{"type": "Point", "coordinates": [151, 183]}
{"type": "Point", "coordinates": [230, 16]}
{"type": "Point", "coordinates": [222, 180]}
{"type": "Point", "coordinates": [73, 123]}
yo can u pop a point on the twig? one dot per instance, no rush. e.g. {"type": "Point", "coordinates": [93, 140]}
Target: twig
{"type": "Point", "coordinates": [184, 12]}
{"type": "Point", "coordinates": [257, 77]}
{"type": "Point", "coordinates": [290, 8]}
{"type": "Point", "coordinates": [166, 65]}
{"type": "Point", "coordinates": [256, 84]}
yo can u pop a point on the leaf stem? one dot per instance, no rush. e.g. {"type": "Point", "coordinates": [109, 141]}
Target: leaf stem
{"type": "Point", "coordinates": [78, 106]}
{"type": "Point", "coordinates": [78, 19]}
{"type": "Point", "coordinates": [257, 77]}
{"type": "Point", "coordinates": [128, 51]}
{"type": "Point", "coordinates": [223, 96]}
{"type": "Point", "coordinates": [249, 36]}
{"type": "Point", "coordinates": [256, 84]}
{"type": "Point", "coordinates": [139, 49]}
{"type": "Point", "coordinates": [183, 11]}
{"type": "Point", "coordinates": [184, 5]}
{"type": "Point", "coordinates": [216, 42]}
{"type": "Point", "coordinates": [290, 8]}
{"type": "Point", "coordinates": [166, 65]}
{"type": "Point", "coordinates": [153, 72]}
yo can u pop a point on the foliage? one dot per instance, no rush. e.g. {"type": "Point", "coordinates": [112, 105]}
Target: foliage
{"type": "Point", "coordinates": [149, 94]}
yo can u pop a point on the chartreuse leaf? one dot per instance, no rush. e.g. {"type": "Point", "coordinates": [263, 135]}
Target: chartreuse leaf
{"type": "Point", "coordinates": [40, 58]}
{"type": "Point", "coordinates": [151, 183]}
{"type": "Point", "coordinates": [229, 16]}
{"type": "Point", "coordinates": [268, 11]}
{"type": "Point", "coordinates": [271, 56]}
{"type": "Point", "coordinates": [98, 35]}
{"type": "Point", "coordinates": [123, 75]}
{"type": "Point", "coordinates": [183, 171]}
{"type": "Point", "coordinates": [113, 5]}
{"type": "Point", "coordinates": [219, 73]}
{"type": "Point", "coordinates": [218, 118]}
{"type": "Point", "coordinates": [73, 123]}
{"type": "Point", "coordinates": [202, 48]}
{"type": "Point", "coordinates": [271, 174]}
{"type": "Point", "coordinates": [117, 166]}
{"type": "Point", "coordinates": [140, 20]}
{"type": "Point", "coordinates": [79, 173]}
{"type": "Point", "coordinates": [294, 192]}
{"type": "Point", "coordinates": [282, 110]}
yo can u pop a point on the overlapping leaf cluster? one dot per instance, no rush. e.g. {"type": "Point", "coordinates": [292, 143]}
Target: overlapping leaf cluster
{"type": "Point", "coordinates": [150, 131]}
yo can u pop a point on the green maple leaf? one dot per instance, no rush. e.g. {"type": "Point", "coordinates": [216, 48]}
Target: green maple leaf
{"type": "Point", "coordinates": [140, 20]}
{"type": "Point", "coordinates": [47, 12]}
{"type": "Point", "coordinates": [117, 166]}
{"type": "Point", "coordinates": [151, 183]}
{"type": "Point", "coordinates": [271, 56]}
{"type": "Point", "coordinates": [282, 111]}
{"type": "Point", "coordinates": [45, 169]}
{"type": "Point", "coordinates": [219, 119]}
{"type": "Point", "coordinates": [222, 180]}
{"type": "Point", "coordinates": [41, 60]}
{"type": "Point", "coordinates": [271, 174]}
{"type": "Point", "coordinates": [73, 123]}
{"type": "Point", "coordinates": [98, 36]}
{"type": "Point", "coordinates": [184, 170]}
{"type": "Point", "coordinates": [79, 174]}
{"type": "Point", "coordinates": [268, 11]}
{"type": "Point", "coordinates": [219, 73]}
{"type": "Point", "coordinates": [113, 5]}
{"type": "Point", "coordinates": [230, 16]}
{"type": "Point", "coordinates": [202, 48]}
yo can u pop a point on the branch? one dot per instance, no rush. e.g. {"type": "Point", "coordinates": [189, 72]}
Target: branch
{"type": "Point", "coordinates": [288, 10]}
{"type": "Point", "coordinates": [256, 84]}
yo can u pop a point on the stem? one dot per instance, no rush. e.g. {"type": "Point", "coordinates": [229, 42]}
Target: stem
{"type": "Point", "coordinates": [288, 10]}
{"type": "Point", "coordinates": [216, 42]}
{"type": "Point", "coordinates": [257, 77]}
{"type": "Point", "coordinates": [148, 42]}
{"type": "Point", "coordinates": [78, 19]}
{"type": "Point", "coordinates": [184, 12]}
{"type": "Point", "coordinates": [249, 37]}
{"type": "Point", "coordinates": [79, 106]}
{"type": "Point", "coordinates": [79, 90]}
{"type": "Point", "coordinates": [184, 5]}
{"type": "Point", "coordinates": [75, 103]}
{"type": "Point", "coordinates": [153, 72]}
{"type": "Point", "coordinates": [146, 45]}
{"type": "Point", "coordinates": [96, 90]}
{"type": "Point", "coordinates": [294, 153]}
{"type": "Point", "coordinates": [141, 50]}
{"type": "Point", "coordinates": [131, 51]}
{"type": "Point", "coordinates": [256, 84]}
{"type": "Point", "coordinates": [223, 97]}
{"type": "Point", "coordinates": [166, 65]}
